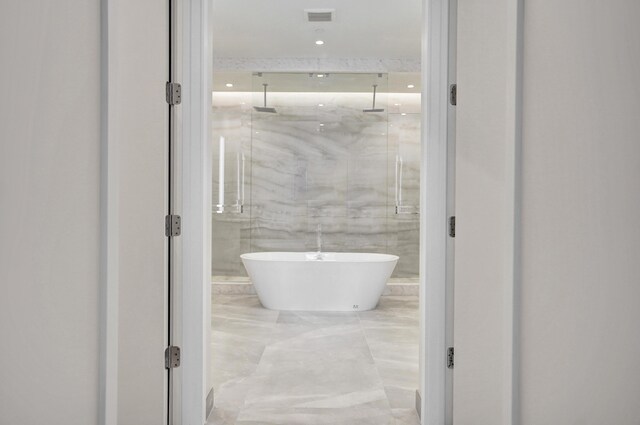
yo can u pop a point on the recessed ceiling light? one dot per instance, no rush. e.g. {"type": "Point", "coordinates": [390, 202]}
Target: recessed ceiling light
{"type": "Point", "coordinates": [229, 85]}
{"type": "Point", "coordinates": [320, 104]}
{"type": "Point", "coordinates": [320, 75]}
{"type": "Point", "coordinates": [410, 86]}
{"type": "Point", "coordinates": [403, 114]}
{"type": "Point", "coordinates": [319, 42]}
{"type": "Point", "coordinates": [321, 125]}
{"type": "Point", "coordinates": [396, 104]}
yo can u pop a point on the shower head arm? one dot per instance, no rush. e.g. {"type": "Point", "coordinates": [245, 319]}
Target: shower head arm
{"type": "Point", "coordinates": [265, 94]}
{"type": "Point", "coordinates": [374, 96]}
{"type": "Point", "coordinates": [265, 108]}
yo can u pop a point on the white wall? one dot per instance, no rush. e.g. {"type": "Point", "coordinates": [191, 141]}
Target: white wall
{"type": "Point", "coordinates": [581, 204]}
{"type": "Point", "coordinates": [49, 211]}
{"type": "Point", "coordinates": [139, 32]}
{"type": "Point", "coordinates": [579, 334]}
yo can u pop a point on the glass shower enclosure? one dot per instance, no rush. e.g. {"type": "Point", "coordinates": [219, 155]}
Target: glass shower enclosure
{"type": "Point", "coordinates": [302, 150]}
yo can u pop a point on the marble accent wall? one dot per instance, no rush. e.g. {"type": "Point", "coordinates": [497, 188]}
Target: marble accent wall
{"type": "Point", "coordinates": [310, 165]}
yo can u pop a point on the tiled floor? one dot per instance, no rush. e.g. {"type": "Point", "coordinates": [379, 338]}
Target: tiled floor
{"type": "Point", "coordinates": [314, 367]}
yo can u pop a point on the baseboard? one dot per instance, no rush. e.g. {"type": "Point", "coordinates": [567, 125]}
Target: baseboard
{"type": "Point", "coordinates": [419, 404]}
{"type": "Point", "coordinates": [221, 285]}
{"type": "Point", "coordinates": [209, 403]}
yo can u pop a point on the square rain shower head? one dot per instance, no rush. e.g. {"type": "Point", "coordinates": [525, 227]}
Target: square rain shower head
{"type": "Point", "coordinates": [265, 109]}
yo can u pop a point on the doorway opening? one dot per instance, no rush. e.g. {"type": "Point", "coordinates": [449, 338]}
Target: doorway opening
{"type": "Point", "coordinates": [238, 196]}
{"type": "Point", "coordinates": [324, 182]}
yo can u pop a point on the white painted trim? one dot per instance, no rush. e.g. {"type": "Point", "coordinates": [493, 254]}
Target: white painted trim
{"type": "Point", "coordinates": [452, 52]}
{"type": "Point", "coordinates": [433, 218]}
{"type": "Point", "coordinates": [109, 263]}
{"type": "Point", "coordinates": [196, 209]}
{"type": "Point", "coordinates": [512, 203]}
{"type": "Point", "coordinates": [174, 385]}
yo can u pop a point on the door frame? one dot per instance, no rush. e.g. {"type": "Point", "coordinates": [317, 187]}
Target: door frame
{"type": "Point", "coordinates": [195, 329]}
{"type": "Point", "coordinates": [196, 211]}
{"type": "Point", "coordinates": [435, 187]}
{"type": "Point", "coordinates": [193, 321]}
{"type": "Point", "coordinates": [109, 224]}
{"type": "Point", "coordinates": [451, 197]}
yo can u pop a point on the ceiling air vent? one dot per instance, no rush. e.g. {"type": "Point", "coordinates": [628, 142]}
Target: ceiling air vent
{"type": "Point", "coordinates": [325, 15]}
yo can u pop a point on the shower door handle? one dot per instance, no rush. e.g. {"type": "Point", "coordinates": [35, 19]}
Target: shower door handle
{"type": "Point", "coordinates": [240, 160]}
{"type": "Point", "coordinates": [242, 184]}
{"type": "Point", "coordinates": [398, 183]}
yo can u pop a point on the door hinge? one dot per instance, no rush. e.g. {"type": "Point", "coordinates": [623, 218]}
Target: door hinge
{"type": "Point", "coordinates": [174, 93]}
{"type": "Point", "coordinates": [453, 94]}
{"type": "Point", "coordinates": [450, 358]}
{"type": "Point", "coordinates": [172, 357]}
{"type": "Point", "coordinates": [172, 225]}
{"type": "Point", "coordinates": [452, 226]}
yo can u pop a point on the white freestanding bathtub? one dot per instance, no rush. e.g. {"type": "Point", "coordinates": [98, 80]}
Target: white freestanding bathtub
{"type": "Point", "coordinates": [333, 281]}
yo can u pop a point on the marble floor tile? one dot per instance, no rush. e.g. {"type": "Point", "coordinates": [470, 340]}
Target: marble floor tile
{"type": "Point", "coordinates": [397, 363]}
{"type": "Point", "coordinates": [314, 367]}
{"type": "Point", "coordinates": [229, 400]}
{"type": "Point", "coordinates": [292, 324]}
{"type": "Point", "coordinates": [239, 362]}
{"type": "Point", "coordinates": [405, 416]}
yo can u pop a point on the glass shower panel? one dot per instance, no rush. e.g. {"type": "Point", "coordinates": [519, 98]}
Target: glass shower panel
{"type": "Point", "coordinates": [406, 160]}
{"type": "Point", "coordinates": [404, 171]}
{"type": "Point", "coordinates": [404, 192]}
{"type": "Point", "coordinates": [318, 160]}
{"type": "Point", "coordinates": [231, 130]}
{"type": "Point", "coordinates": [303, 150]}
{"type": "Point", "coordinates": [367, 139]}
{"type": "Point", "coordinates": [231, 173]}
{"type": "Point", "coordinates": [278, 218]}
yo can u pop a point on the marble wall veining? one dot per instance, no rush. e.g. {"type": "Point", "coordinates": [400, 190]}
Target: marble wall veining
{"type": "Point", "coordinates": [308, 165]}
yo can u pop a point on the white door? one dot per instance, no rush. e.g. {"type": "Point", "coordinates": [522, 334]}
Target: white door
{"type": "Point", "coordinates": [484, 200]}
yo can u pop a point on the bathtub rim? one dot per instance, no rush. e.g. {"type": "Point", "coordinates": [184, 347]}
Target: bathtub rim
{"type": "Point", "coordinates": [301, 257]}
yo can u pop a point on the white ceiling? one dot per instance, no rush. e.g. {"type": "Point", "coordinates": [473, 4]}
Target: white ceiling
{"type": "Point", "coordinates": [279, 29]}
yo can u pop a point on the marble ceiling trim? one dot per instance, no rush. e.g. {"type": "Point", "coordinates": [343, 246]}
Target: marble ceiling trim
{"type": "Point", "coordinates": [316, 64]}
